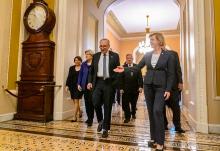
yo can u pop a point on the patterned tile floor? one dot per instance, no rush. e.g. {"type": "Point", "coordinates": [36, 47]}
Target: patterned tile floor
{"type": "Point", "coordinates": [19, 135]}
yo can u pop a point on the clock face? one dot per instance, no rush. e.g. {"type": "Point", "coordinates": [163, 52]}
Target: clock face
{"type": "Point", "coordinates": [36, 17]}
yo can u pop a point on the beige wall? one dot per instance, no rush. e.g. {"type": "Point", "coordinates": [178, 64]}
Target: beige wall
{"type": "Point", "coordinates": [173, 42]}
{"type": "Point", "coordinates": [128, 45]}
{"type": "Point", "coordinates": [212, 98]}
{"type": "Point", "coordinates": [68, 38]}
{"type": "Point", "coordinates": [91, 33]}
{"type": "Point", "coordinates": [115, 42]}
{"type": "Point", "coordinates": [189, 97]}
{"type": "Point", "coordinates": [7, 103]}
{"type": "Point", "coordinates": [217, 43]}
{"type": "Point", "coordinates": [90, 9]}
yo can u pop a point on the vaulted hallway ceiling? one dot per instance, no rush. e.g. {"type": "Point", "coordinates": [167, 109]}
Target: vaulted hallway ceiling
{"type": "Point", "coordinates": [128, 17]}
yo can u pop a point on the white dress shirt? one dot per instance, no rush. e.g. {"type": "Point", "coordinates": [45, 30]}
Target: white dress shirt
{"type": "Point", "coordinates": [154, 59]}
{"type": "Point", "coordinates": [100, 65]}
{"type": "Point", "coordinates": [130, 65]}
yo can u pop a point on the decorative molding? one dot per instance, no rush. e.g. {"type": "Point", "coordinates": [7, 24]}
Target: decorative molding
{"type": "Point", "coordinates": [199, 126]}
{"type": "Point", "coordinates": [7, 117]}
{"type": "Point", "coordinates": [116, 26]}
{"type": "Point", "coordinates": [200, 66]}
{"type": "Point", "coordinates": [214, 128]}
{"type": "Point", "coordinates": [190, 118]}
{"type": "Point", "coordinates": [68, 43]}
{"type": "Point", "coordinates": [60, 39]}
{"type": "Point", "coordinates": [113, 32]}
{"type": "Point", "coordinates": [217, 98]}
{"type": "Point", "coordinates": [22, 36]}
{"type": "Point", "coordinates": [63, 115]}
{"type": "Point", "coordinates": [98, 3]}
{"type": "Point", "coordinates": [113, 21]}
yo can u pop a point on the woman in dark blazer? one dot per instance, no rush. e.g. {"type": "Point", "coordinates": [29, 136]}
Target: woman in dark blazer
{"type": "Point", "coordinates": [82, 86]}
{"type": "Point", "coordinates": [71, 85]}
{"type": "Point", "coordinates": [157, 86]}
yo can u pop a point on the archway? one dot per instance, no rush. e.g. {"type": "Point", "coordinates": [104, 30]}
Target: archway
{"type": "Point", "coordinates": [193, 62]}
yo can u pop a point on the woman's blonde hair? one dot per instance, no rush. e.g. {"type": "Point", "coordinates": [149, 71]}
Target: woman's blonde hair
{"type": "Point", "coordinates": [159, 37]}
{"type": "Point", "coordinates": [91, 52]}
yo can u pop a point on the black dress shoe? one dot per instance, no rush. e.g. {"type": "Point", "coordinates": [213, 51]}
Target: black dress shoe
{"type": "Point", "coordinates": [151, 144]}
{"type": "Point", "coordinates": [74, 120]}
{"type": "Point", "coordinates": [134, 116]}
{"type": "Point", "coordinates": [105, 134]}
{"type": "Point", "coordinates": [126, 120]}
{"type": "Point", "coordinates": [160, 149]}
{"type": "Point", "coordinates": [89, 123]}
{"type": "Point", "coordinates": [99, 127]}
{"type": "Point", "coordinates": [80, 115]}
{"type": "Point", "coordinates": [180, 130]}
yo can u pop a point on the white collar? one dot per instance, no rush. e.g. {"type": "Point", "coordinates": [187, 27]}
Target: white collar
{"type": "Point", "coordinates": [107, 53]}
{"type": "Point", "coordinates": [130, 65]}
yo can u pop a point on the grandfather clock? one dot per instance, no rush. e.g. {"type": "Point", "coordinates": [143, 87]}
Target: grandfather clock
{"type": "Point", "coordinates": [37, 65]}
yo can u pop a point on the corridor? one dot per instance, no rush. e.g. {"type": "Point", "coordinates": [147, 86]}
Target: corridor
{"type": "Point", "coordinates": [67, 136]}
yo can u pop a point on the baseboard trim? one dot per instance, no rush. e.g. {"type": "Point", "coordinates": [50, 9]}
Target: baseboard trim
{"type": "Point", "coordinates": [63, 115]}
{"type": "Point", "coordinates": [191, 120]}
{"type": "Point", "coordinates": [214, 128]}
{"type": "Point", "coordinates": [198, 126]}
{"type": "Point", "coordinates": [7, 117]}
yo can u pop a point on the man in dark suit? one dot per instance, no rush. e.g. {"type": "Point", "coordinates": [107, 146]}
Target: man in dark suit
{"type": "Point", "coordinates": [131, 85]}
{"type": "Point", "coordinates": [103, 80]}
{"type": "Point", "coordinates": [174, 99]}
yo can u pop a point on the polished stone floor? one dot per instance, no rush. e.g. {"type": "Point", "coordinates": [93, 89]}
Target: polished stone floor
{"type": "Point", "coordinates": [64, 135]}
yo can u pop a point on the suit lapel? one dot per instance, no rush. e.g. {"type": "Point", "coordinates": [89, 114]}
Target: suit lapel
{"type": "Point", "coordinates": [97, 64]}
{"type": "Point", "coordinates": [149, 60]}
{"type": "Point", "coordinates": [160, 58]}
{"type": "Point", "coordinates": [111, 61]}
{"type": "Point", "coordinates": [125, 65]}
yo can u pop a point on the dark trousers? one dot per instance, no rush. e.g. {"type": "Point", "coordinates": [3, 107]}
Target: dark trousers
{"type": "Point", "coordinates": [90, 107]}
{"type": "Point", "coordinates": [154, 96]}
{"type": "Point", "coordinates": [173, 103]}
{"type": "Point", "coordinates": [129, 97]}
{"type": "Point", "coordinates": [102, 94]}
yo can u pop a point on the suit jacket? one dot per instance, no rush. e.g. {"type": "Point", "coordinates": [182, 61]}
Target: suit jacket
{"type": "Point", "coordinates": [83, 75]}
{"type": "Point", "coordinates": [113, 63]}
{"type": "Point", "coordinates": [163, 73]}
{"type": "Point", "coordinates": [131, 80]}
{"type": "Point", "coordinates": [178, 73]}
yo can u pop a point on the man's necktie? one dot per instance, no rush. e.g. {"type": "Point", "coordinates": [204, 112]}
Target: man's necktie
{"type": "Point", "coordinates": [104, 67]}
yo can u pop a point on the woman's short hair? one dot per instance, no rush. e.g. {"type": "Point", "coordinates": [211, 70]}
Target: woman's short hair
{"type": "Point", "coordinates": [79, 58]}
{"type": "Point", "coordinates": [89, 51]}
{"type": "Point", "coordinates": [159, 37]}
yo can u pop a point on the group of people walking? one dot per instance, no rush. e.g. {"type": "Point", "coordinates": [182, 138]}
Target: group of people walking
{"type": "Point", "coordinates": [101, 75]}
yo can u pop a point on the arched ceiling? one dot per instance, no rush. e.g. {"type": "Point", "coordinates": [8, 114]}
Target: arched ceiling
{"type": "Point", "coordinates": [164, 15]}
{"type": "Point", "coordinates": [128, 17]}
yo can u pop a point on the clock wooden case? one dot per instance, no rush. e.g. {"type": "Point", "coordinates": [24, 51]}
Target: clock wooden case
{"type": "Point", "coordinates": [37, 65]}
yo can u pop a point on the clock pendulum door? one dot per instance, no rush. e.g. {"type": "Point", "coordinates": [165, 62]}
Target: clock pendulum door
{"type": "Point", "coordinates": [37, 65]}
